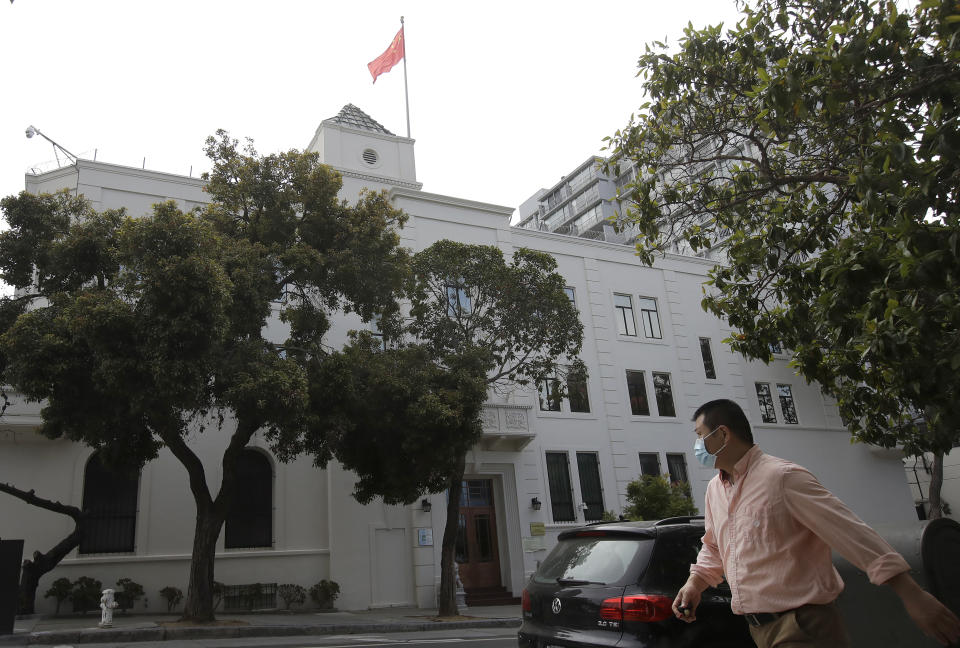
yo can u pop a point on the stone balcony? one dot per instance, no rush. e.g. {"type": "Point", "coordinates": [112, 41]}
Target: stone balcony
{"type": "Point", "coordinates": [506, 427]}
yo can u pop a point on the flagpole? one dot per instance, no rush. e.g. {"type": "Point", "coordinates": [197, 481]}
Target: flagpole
{"type": "Point", "coordinates": [406, 94]}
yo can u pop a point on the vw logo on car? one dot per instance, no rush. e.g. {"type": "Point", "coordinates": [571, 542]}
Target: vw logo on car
{"type": "Point", "coordinates": [555, 606]}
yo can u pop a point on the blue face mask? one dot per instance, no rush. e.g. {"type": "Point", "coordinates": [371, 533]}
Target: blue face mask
{"type": "Point", "coordinates": [700, 451]}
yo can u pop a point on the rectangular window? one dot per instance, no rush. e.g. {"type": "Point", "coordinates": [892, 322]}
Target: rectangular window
{"type": "Point", "coordinates": [550, 395]}
{"type": "Point", "coordinates": [561, 495]}
{"type": "Point", "coordinates": [664, 394]}
{"type": "Point", "coordinates": [787, 405]}
{"type": "Point", "coordinates": [708, 368]}
{"type": "Point", "coordinates": [571, 295]}
{"type": "Point", "coordinates": [588, 467]}
{"type": "Point", "coordinates": [458, 300]}
{"type": "Point", "coordinates": [577, 393]}
{"type": "Point", "coordinates": [637, 388]}
{"type": "Point", "coordinates": [650, 318]}
{"type": "Point", "coordinates": [765, 399]}
{"type": "Point", "coordinates": [677, 467]}
{"type": "Point", "coordinates": [626, 325]}
{"type": "Point", "coordinates": [649, 463]}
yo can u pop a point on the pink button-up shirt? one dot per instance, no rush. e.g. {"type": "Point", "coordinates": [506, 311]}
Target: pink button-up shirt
{"type": "Point", "coordinates": [771, 531]}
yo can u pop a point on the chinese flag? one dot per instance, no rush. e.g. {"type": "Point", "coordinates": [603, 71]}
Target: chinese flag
{"type": "Point", "coordinates": [385, 62]}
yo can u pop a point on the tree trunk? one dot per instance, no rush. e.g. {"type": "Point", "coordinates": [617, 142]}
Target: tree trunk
{"type": "Point", "coordinates": [936, 482]}
{"type": "Point", "coordinates": [199, 604]}
{"type": "Point", "coordinates": [448, 581]}
{"type": "Point", "coordinates": [29, 580]}
{"type": "Point", "coordinates": [33, 570]}
{"type": "Point", "coordinates": [210, 517]}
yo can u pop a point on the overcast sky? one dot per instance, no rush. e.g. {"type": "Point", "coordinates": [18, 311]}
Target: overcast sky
{"type": "Point", "coordinates": [505, 97]}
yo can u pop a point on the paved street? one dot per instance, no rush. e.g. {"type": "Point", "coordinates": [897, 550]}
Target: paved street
{"type": "Point", "coordinates": [485, 626]}
{"type": "Point", "coordinates": [457, 638]}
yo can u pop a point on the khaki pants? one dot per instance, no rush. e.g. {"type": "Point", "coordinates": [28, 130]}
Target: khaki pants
{"type": "Point", "coordinates": [809, 626]}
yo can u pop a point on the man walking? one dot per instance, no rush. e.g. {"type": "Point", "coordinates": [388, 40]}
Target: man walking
{"type": "Point", "coordinates": [770, 527]}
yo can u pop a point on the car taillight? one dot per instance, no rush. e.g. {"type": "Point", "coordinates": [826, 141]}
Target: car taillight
{"type": "Point", "coordinates": [645, 608]}
{"type": "Point", "coordinates": [525, 603]}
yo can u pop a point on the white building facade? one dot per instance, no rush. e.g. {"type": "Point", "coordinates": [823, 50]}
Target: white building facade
{"type": "Point", "coordinates": [653, 357]}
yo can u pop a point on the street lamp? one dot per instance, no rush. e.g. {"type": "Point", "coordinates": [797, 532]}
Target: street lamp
{"type": "Point", "coordinates": [33, 130]}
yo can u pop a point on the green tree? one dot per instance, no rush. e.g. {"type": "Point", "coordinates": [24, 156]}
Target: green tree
{"type": "Point", "coordinates": [85, 594]}
{"type": "Point", "coordinates": [60, 590]}
{"type": "Point", "coordinates": [478, 323]}
{"type": "Point", "coordinates": [816, 145]}
{"type": "Point", "coordinates": [392, 403]}
{"type": "Point", "coordinates": [127, 593]}
{"type": "Point", "coordinates": [146, 331]}
{"type": "Point", "coordinates": [654, 497]}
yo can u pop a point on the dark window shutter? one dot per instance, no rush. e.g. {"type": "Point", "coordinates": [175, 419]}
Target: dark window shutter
{"type": "Point", "coordinates": [588, 467]}
{"type": "Point", "coordinates": [561, 497]}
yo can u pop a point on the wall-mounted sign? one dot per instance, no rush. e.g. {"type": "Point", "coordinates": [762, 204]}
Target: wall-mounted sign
{"type": "Point", "coordinates": [538, 529]}
{"type": "Point", "coordinates": [538, 543]}
{"type": "Point", "coordinates": [425, 537]}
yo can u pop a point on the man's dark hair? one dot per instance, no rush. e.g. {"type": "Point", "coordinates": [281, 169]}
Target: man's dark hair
{"type": "Point", "coordinates": [725, 412]}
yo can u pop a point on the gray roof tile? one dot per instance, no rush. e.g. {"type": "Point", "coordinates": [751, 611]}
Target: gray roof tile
{"type": "Point", "coordinates": [352, 116]}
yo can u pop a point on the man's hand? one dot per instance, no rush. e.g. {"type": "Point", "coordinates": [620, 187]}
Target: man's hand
{"type": "Point", "coordinates": [930, 615]}
{"type": "Point", "coordinates": [687, 601]}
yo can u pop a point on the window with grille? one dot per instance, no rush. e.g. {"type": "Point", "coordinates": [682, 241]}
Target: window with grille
{"type": "Point", "coordinates": [649, 463]}
{"type": "Point", "coordinates": [571, 295]}
{"type": "Point", "coordinates": [708, 369]}
{"type": "Point", "coordinates": [110, 503]}
{"type": "Point", "coordinates": [787, 405]}
{"type": "Point", "coordinates": [561, 494]}
{"type": "Point", "coordinates": [591, 490]}
{"type": "Point", "coordinates": [650, 318]}
{"type": "Point", "coordinates": [677, 467]}
{"type": "Point", "coordinates": [637, 389]}
{"type": "Point", "coordinates": [249, 523]}
{"type": "Point", "coordinates": [626, 325]}
{"type": "Point", "coordinates": [765, 400]}
{"type": "Point", "coordinates": [664, 394]}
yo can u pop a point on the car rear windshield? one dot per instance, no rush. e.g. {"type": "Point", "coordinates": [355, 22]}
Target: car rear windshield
{"type": "Point", "coordinates": [598, 560]}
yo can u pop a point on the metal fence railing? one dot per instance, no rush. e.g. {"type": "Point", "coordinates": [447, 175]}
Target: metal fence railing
{"type": "Point", "coordinates": [254, 596]}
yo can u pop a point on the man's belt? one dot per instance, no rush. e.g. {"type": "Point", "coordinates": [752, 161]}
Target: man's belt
{"type": "Point", "coordinates": [761, 618]}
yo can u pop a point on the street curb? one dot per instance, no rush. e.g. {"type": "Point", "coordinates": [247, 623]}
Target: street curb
{"type": "Point", "coordinates": [119, 635]}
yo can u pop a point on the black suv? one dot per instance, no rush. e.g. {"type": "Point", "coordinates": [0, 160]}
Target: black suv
{"type": "Point", "coordinates": [613, 584]}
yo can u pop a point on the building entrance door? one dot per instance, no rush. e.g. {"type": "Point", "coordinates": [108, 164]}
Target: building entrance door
{"type": "Point", "coordinates": [477, 552]}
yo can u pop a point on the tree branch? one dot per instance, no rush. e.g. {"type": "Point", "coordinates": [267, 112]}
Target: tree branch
{"type": "Point", "coordinates": [194, 467]}
{"type": "Point", "coordinates": [30, 498]}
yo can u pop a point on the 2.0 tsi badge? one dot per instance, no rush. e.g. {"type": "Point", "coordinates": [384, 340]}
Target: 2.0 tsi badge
{"type": "Point", "coordinates": [555, 606]}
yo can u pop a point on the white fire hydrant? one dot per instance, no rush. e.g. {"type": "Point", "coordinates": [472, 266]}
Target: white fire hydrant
{"type": "Point", "coordinates": [107, 605]}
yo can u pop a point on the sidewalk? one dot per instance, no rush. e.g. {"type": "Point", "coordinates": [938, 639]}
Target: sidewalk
{"type": "Point", "coordinates": [42, 629]}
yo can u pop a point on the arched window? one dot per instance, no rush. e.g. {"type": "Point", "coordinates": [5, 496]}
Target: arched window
{"type": "Point", "coordinates": [110, 502]}
{"type": "Point", "coordinates": [250, 520]}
